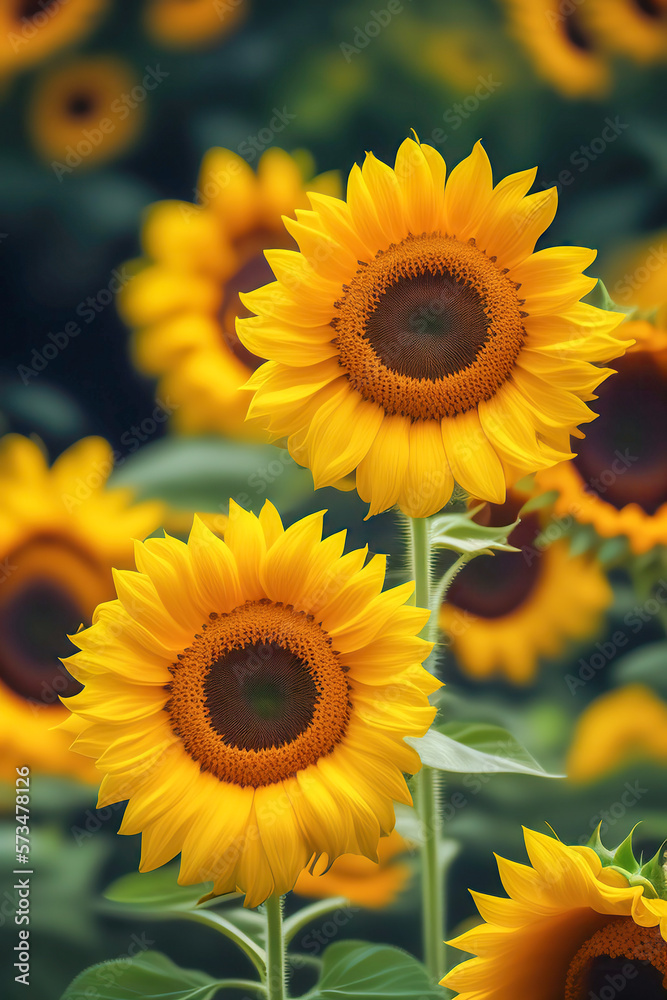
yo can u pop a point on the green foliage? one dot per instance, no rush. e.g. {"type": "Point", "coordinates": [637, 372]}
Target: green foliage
{"type": "Point", "coordinates": [475, 748]}
{"type": "Point", "coordinates": [460, 533]}
{"type": "Point", "coordinates": [355, 970]}
{"type": "Point", "coordinates": [150, 975]}
{"type": "Point", "coordinates": [203, 473]}
{"type": "Point", "coordinates": [154, 890]}
{"type": "Point", "coordinates": [644, 665]}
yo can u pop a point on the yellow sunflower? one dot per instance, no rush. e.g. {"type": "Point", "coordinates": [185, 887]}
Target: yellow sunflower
{"type": "Point", "coordinates": [31, 29]}
{"type": "Point", "coordinates": [85, 112]}
{"type": "Point", "coordinates": [367, 883]}
{"type": "Point", "coordinates": [418, 339]}
{"type": "Point", "coordinates": [574, 928]}
{"type": "Point", "coordinates": [620, 727]}
{"type": "Point", "coordinates": [185, 298]}
{"type": "Point", "coordinates": [637, 28]}
{"type": "Point", "coordinates": [250, 698]}
{"type": "Point", "coordinates": [187, 24]}
{"type": "Point", "coordinates": [618, 480]}
{"type": "Point", "coordinates": [506, 612]}
{"type": "Point", "coordinates": [61, 532]}
{"type": "Point", "coordinates": [561, 46]}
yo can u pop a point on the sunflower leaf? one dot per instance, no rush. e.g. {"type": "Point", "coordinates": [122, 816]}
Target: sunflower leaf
{"type": "Point", "coordinates": [149, 975]}
{"type": "Point", "coordinates": [460, 533]}
{"type": "Point", "coordinates": [202, 473]}
{"type": "Point", "coordinates": [155, 890]}
{"type": "Point", "coordinates": [356, 970]}
{"type": "Point", "coordinates": [476, 748]}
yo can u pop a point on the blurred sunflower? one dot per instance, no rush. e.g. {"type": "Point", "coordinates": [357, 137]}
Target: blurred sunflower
{"type": "Point", "coordinates": [561, 46]}
{"type": "Point", "coordinates": [504, 613]}
{"type": "Point", "coordinates": [418, 339]}
{"type": "Point", "coordinates": [188, 24]}
{"type": "Point", "coordinates": [30, 30]}
{"type": "Point", "coordinates": [572, 922]}
{"type": "Point", "coordinates": [373, 884]}
{"type": "Point", "coordinates": [250, 697]}
{"type": "Point", "coordinates": [620, 727]}
{"type": "Point", "coordinates": [185, 298]}
{"type": "Point", "coordinates": [618, 480]}
{"type": "Point", "coordinates": [637, 28]}
{"type": "Point", "coordinates": [84, 112]}
{"type": "Point", "coordinates": [61, 531]}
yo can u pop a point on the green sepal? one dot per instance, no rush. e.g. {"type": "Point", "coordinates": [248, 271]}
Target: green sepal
{"type": "Point", "coordinates": [651, 876]}
{"type": "Point", "coordinates": [458, 532]}
{"type": "Point", "coordinates": [601, 299]}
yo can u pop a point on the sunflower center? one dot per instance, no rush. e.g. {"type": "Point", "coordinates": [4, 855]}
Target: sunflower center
{"type": "Point", "coordinates": [493, 588]}
{"type": "Point", "coordinates": [622, 957]}
{"type": "Point", "coordinates": [80, 105]}
{"type": "Point", "coordinates": [28, 9]}
{"type": "Point", "coordinates": [260, 695]}
{"type": "Point", "coordinates": [429, 328]}
{"type": "Point", "coordinates": [623, 458]}
{"type": "Point", "coordinates": [253, 272]}
{"type": "Point", "coordinates": [652, 8]}
{"type": "Point", "coordinates": [576, 33]}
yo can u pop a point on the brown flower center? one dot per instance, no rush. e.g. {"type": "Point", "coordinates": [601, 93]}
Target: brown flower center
{"type": "Point", "coordinates": [42, 588]}
{"type": "Point", "coordinates": [622, 959]}
{"type": "Point", "coordinates": [29, 9]}
{"type": "Point", "coordinates": [253, 272]}
{"type": "Point", "coordinates": [429, 328]}
{"type": "Point", "coordinates": [623, 458]}
{"type": "Point", "coordinates": [259, 695]}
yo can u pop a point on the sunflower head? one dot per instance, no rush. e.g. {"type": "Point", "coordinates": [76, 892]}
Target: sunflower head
{"type": "Point", "coordinates": [417, 339]}
{"type": "Point", "coordinates": [574, 918]}
{"type": "Point", "coordinates": [62, 531]}
{"type": "Point", "coordinates": [250, 697]}
{"type": "Point", "coordinates": [30, 30]}
{"type": "Point", "coordinates": [199, 259]}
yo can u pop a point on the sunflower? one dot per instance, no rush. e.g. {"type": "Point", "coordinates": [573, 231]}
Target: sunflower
{"type": "Point", "coordinates": [637, 28]}
{"type": "Point", "coordinates": [561, 46]}
{"type": "Point", "coordinates": [418, 339]}
{"type": "Point", "coordinates": [618, 480]}
{"type": "Point", "coordinates": [31, 29]}
{"type": "Point", "coordinates": [375, 885]}
{"type": "Point", "coordinates": [504, 613]}
{"type": "Point", "coordinates": [250, 698]}
{"type": "Point", "coordinates": [85, 112]}
{"type": "Point", "coordinates": [185, 298]}
{"type": "Point", "coordinates": [187, 24]}
{"type": "Point", "coordinates": [62, 530]}
{"type": "Point", "coordinates": [575, 927]}
{"type": "Point", "coordinates": [620, 727]}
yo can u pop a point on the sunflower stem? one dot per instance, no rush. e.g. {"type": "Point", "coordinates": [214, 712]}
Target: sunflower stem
{"type": "Point", "coordinates": [428, 790]}
{"type": "Point", "coordinates": [275, 949]}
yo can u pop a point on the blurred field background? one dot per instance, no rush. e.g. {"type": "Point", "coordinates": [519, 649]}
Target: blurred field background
{"type": "Point", "coordinates": [575, 89]}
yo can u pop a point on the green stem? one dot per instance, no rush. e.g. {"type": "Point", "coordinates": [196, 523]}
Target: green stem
{"type": "Point", "coordinates": [307, 914]}
{"type": "Point", "coordinates": [275, 949]}
{"type": "Point", "coordinates": [428, 792]}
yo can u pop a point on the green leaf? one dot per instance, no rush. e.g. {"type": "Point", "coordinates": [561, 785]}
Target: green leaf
{"type": "Point", "coordinates": [646, 664]}
{"type": "Point", "coordinates": [203, 473]}
{"type": "Point", "coordinates": [154, 890]}
{"type": "Point", "coordinates": [355, 970]}
{"type": "Point", "coordinates": [461, 534]}
{"type": "Point", "coordinates": [475, 748]}
{"type": "Point", "coordinates": [539, 502]}
{"type": "Point", "coordinates": [150, 976]}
